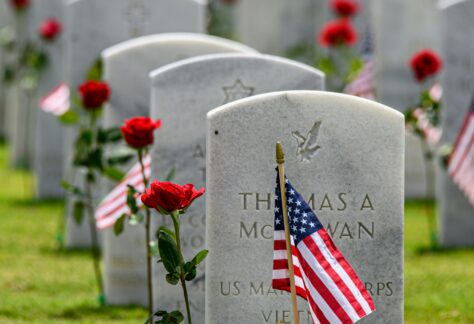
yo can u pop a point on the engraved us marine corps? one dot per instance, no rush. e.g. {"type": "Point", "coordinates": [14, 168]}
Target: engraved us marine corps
{"type": "Point", "coordinates": [307, 146]}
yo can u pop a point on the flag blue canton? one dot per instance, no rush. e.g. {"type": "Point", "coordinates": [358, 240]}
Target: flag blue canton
{"type": "Point", "coordinates": [302, 220]}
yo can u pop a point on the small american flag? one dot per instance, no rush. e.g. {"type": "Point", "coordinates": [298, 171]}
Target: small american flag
{"type": "Point", "coordinates": [114, 204]}
{"type": "Point", "coordinates": [56, 102]}
{"type": "Point", "coordinates": [364, 84]}
{"type": "Point", "coordinates": [322, 275]}
{"type": "Point", "coordinates": [461, 161]}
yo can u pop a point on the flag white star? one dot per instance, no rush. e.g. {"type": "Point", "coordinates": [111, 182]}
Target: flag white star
{"type": "Point", "coordinates": [305, 215]}
{"type": "Point", "coordinates": [312, 224]}
{"type": "Point", "coordinates": [297, 211]}
{"type": "Point", "coordinates": [286, 180]}
{"type": "Point", "coordinates": [302, 229]}
{"type": "Point", "coordinates": [298, 203]}
{"type": "Point", "coordinates": [292, 192]}
{"type": "Point", "coordinates": [303, 221]}
{"type": "Point", "coordinates": [290, 200]}
{"type": "Point", "coordinates": [294, 228]}
{"type": "Point", "coordinates": [277, 221]}
{"type": "Point", "coordinates": [277, 209]}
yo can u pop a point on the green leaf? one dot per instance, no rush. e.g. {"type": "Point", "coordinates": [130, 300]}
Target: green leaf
{"type": "Point", "coordinates": [171, 174]}
{"type": "Point", "coordinates": [169, 254]}
{"type": "Point", "coordinates": [95, 71]}
{"type": "Point", "coordinates": [326, 64]}
{"type": "Point", "coordinates": [113, 173]}
{"type": "Point", "coordinates": [121, 156]}
{"type": "Point", "coordinates": [119, 225]}
{"type": "Point", "coordinates": [78, 211]}
{"type": "Point", "coordinates": [355, 67]}
{"type": "Point", "coordinates": [172, 278]}
{"type": "Point", "coordinates": [131, 200]}
{"type": "Point", "coordinates": [190, 271]}
{"type": "Point", "coordinates": [175, 317]}
{"type": "Point", "coordinates": [72, 189]}
{"type": "Point", "coordinates": [110, 135]}
{"type": "Point", "coordinates": [167, 231]}
{"type": "Point", "coordinates": [200, 256]}
{"type": "Point", "coordinates": [70, 117]}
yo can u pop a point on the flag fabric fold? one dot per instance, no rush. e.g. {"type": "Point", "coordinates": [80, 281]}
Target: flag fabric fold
{"type": "Point", "coordinates": [114, 205]}
{"type": "Point", "coordinates": [461, 161]}
{"type": "Point", "coordinates": [57, 101]}
{"type": "Point", "coordinates": [322, 275]}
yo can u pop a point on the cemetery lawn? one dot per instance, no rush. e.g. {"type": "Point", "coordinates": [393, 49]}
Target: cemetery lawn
{"type": "Point", "coordinates": [41, 284]}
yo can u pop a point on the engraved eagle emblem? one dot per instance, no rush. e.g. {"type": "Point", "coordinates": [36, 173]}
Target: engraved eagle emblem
{"type": "Point", "coordinates": [307, 146]}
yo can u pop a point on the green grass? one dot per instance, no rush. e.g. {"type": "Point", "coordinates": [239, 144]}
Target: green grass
{"type": "Point", "coordinates": [39, 284]}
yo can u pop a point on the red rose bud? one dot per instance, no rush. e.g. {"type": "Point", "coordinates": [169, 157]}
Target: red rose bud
{"type": "Point", "coordinates": [338, 32]}
{"type": "Point", "coordinates": [50, 29]}
{"type": "Point", "coordinates": [345, 8]}
{"type": "Point", "coordinates": [94, 94]}
{"type": "Point", "coordinates": [20, 4]}
{"type": "Point", "coordinates": [169, 197]}
{"type": "Point", "coordinates": [425, 63]}
{"type": "Point", "coordinates": [138, 131]}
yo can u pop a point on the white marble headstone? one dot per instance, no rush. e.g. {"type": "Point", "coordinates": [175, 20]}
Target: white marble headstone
{"type": "Point", "coordinates": [126, 69]}
{"type": "Point", "coordinates": [93, 26]}
{"type": "Point", "coordinates": [182, 94]}
{"type": "Point", "coordinates": [401, 28]}
{"type": "Point", "coordinates": [456, 213]}
{"type": "Point", "coordinates": [5, 20]}
{"type": "Point", "coordinates": [354, 183]}
{"type": "Point", "coordinates": [48, 159]}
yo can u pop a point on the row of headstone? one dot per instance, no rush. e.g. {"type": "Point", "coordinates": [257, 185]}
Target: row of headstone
{"type": "Point", "coordinates": [91, 27]}
{"type": "Point", "coordinates": [456, 214]}
{"type": "Point", "coordinates": [5, 20]}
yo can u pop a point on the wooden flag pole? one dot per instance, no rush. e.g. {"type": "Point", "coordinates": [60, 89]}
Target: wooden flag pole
{"type": "Point", "coordinates": [280, 159]}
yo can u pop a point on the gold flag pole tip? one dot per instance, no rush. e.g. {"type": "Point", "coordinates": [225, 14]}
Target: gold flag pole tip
{"type": "Point", "coordinates": [280, 156]}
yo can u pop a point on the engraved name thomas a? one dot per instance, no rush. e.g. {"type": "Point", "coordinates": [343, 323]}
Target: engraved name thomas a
{"type": "Point", "coordinates": [340, 202]}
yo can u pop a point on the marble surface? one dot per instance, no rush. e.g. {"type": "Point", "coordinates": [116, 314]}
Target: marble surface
{"type": "Point", "coordinates": [354, 182]}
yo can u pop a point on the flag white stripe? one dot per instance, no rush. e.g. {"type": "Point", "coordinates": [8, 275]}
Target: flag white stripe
{"type": "Point", "coordinates": [462, 146]}
{"type": "Point", "coordinates": [327, 281]}
{"type": "Point", "coordinates": [340, 271]}
{"type": "Point", "coordinates": [320, 302]}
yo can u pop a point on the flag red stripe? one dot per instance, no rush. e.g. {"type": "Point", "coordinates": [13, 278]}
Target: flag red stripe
{"type": "Point", "coordinates": [315, 309]}
{"type": "Point", "coordinates": [461, 133]}
{"type": "Point", "coordinates": [334, 276]}
{"type": "Point", "coordinates": [463, 157]}
{"type": "Point", "coordinates": [345, 265]}
{"type": "Point", "coordinates": [324, 292]}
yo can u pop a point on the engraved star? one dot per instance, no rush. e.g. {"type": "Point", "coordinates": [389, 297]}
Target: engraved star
{"type": "Point", "coordinates": [237, 91]}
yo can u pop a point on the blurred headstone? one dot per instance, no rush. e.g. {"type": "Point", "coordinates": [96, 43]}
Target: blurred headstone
{"type": "Point", "coordinates": [92, 26]}
{"type": "Point", "coordinates": [455, 211]}
{"type": "Point", "coordinates": [126, 69]}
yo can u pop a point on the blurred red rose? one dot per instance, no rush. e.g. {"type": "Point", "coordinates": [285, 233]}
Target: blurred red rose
{"type": "Point", "coordinates": [345, 8]}
{"type": "Point", "coordinates": [425, 63]}
{"type": "Point", "coordinates": [50, 29]}
{"type": "Point", "coordinates": [20, 4]}
{"type": "Point", "coordinates": [94, 94]}
{"type": "Point", "coordinates": [138, 131]}
{"type": "Point", "coordinates": [170, 197]}
{"type": "Point", "coordinates": [338, 32]}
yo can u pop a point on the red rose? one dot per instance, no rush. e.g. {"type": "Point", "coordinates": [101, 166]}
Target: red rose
{"type": "Point", "coordinates": [169, 197]}
{"type": "Point", "coordinates": [338, 32]}
{"type": "Point", "coordinates": [138, 131]}
{"type": "Point", "coordinates": [20, 4]}
{"type": "Point", "coordinates": [425, 63]}
{"type": "Point", "coordinates": [94, 94]}
{"type": "Point", "coordinates": [49, 29]}
{"type": "Point", "coordinates": [345, 8]}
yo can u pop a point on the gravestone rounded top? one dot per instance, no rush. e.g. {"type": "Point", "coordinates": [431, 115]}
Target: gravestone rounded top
{"type": "Point", "coordinates": [184, 39]}
{"type": "Point", "coordinates": [445, 4]}
{"type": "Point", "coordinates": [234, 60]}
